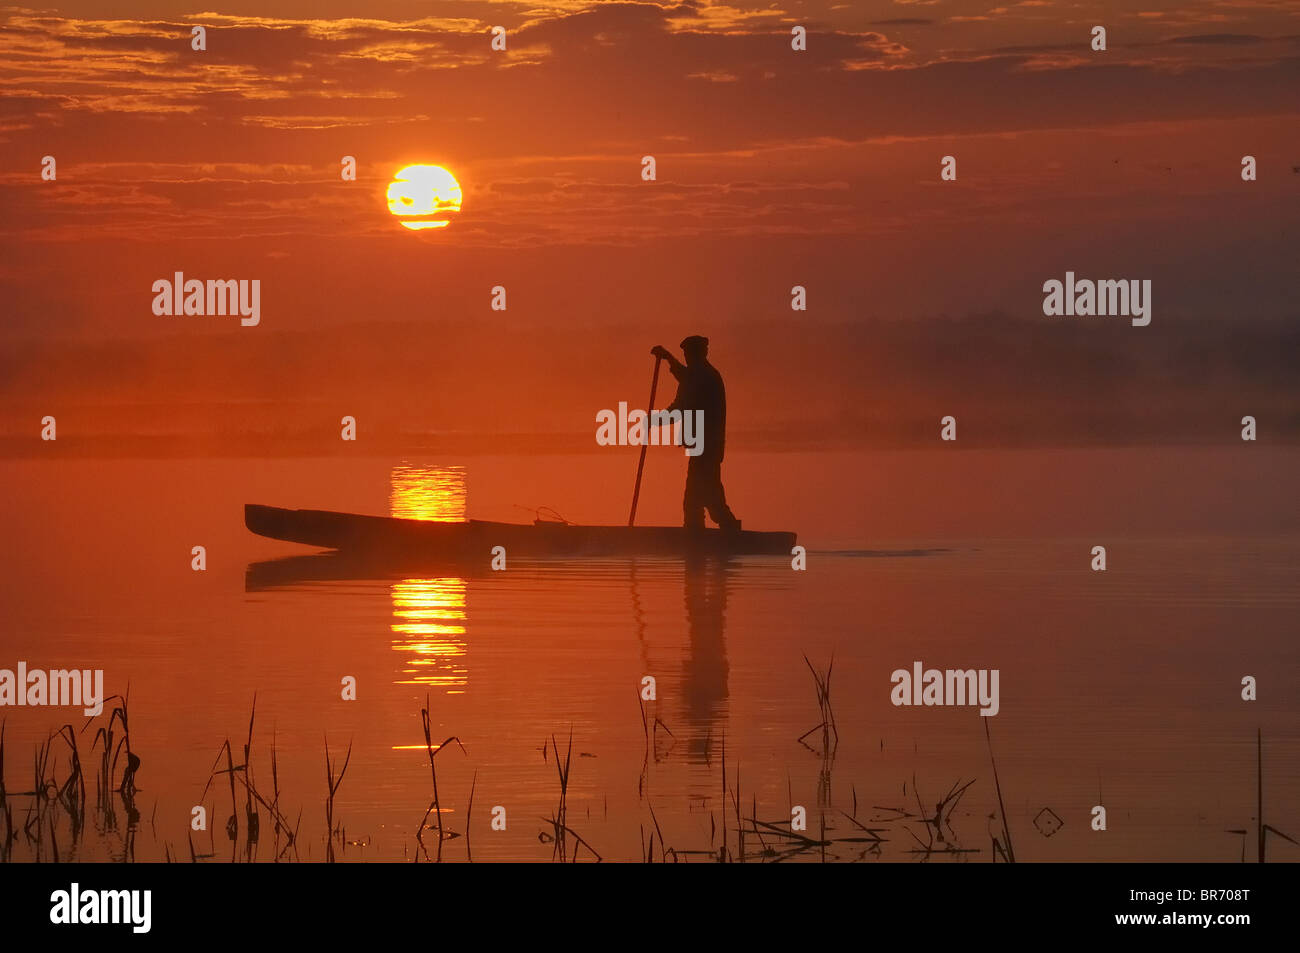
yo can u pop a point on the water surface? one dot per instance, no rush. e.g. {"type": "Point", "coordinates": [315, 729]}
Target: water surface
{"type": "Point", "coordinates": [1119, 688]}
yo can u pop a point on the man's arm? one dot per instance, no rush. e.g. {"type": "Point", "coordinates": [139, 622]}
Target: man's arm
{"type": "Point", "coordinates": [664, 354]}
{"type": "Point", "coordinates": [678, 369]}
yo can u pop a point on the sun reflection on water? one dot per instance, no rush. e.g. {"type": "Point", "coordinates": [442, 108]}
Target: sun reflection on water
{"type": "Point", "coordinates": [429, 614]}
{"type": "Point", "coordinates": [427, 493]}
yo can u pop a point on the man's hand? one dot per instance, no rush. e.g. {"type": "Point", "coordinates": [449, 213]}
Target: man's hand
{"type": "Point", "coordinates": [661, 352]}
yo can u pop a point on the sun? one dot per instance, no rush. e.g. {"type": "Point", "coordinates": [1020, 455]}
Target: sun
{"type": "Point", "coordinates": [423, 196]}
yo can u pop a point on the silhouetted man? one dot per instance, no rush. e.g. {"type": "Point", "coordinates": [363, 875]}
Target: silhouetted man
{"type": "Point", "coordinates": [700, 387]}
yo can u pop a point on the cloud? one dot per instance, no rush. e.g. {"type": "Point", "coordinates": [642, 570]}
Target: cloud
{"type": "Point", "coordinates": [130, 111]}
{"type": "Point", "coordinates": [1218, 39]}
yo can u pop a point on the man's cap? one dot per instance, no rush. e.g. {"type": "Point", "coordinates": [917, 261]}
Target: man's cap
{"type": "Point", "coordinates": [694, 340]}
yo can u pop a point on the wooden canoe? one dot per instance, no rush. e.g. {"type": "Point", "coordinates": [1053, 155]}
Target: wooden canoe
{"type": "Point", "coordinates": [474, 539]}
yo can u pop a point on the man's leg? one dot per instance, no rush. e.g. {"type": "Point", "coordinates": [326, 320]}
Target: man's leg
{"type": "Point", "coordinates": [693, 502]}
{"type": "Point", "coordinates": [716, 500]}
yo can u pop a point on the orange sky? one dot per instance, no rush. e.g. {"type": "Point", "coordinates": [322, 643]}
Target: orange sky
{"type": "Point", "coordinates": [775, 168]}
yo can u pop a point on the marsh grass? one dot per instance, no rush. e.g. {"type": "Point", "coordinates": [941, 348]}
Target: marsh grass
{"type": "Point", "coordinates": [1262, 829]}
{"type": "Point", "coordinates": [49, 819]}
{"type": "Point", "coordinates": [830, 735]}
{"type": "Point", "coordinates": [561, 832]}
{"type": "Point", "coordinates": [1002, 848]}
{"type": "Point", "coordinates": [54, 823]}
{"type": "Point", "coordinates": [242, 774]}
{"type": "Point", "coordinates": [334, 782]}
{"type": "Point", "coordinates": [6, 809]}
{"type": "Point", "coordinates": [435, 806]}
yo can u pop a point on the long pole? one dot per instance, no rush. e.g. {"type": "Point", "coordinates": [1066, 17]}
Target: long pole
{"type": "Point", "coordinates": [640, 467]}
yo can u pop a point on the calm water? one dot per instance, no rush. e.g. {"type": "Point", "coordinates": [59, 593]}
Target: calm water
{"type": "Point", "coordinates": [1120, 688]}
